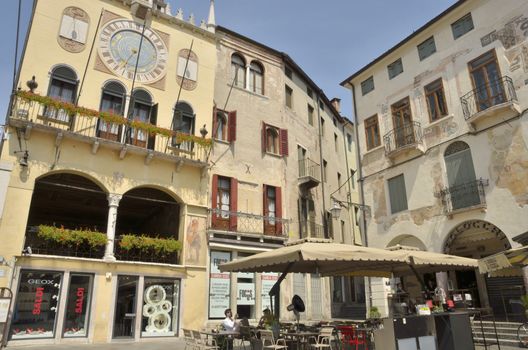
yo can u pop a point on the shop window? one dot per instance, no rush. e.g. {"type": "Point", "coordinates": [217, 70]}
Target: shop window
{"type": "Point", "coordinates": [78, 303]}
{"type": "Point", "coordinates": [224, 125]}
{"type": "Point", "coordinates": [238, 71]}
{"type": "Point", "coordinates": [372, 132]}
{"type": "Point", "coordinates": [36, 307]}
{"type": "Point", "coordinates": [125, 307]}
{"type": "Point", "coordinates": [224, 203]}
{"type": "Point", "coordinates": [397, 194]}
{"type": "Point", "coordinates": [272, 205]}
{"type": "Point", "coordinates": [274, 140]}
{"type": "Point", "coordinates": [245, 293]}
{"type": "Point", "coordinates": [219, 285]}
{"type": "Point", "coordinates": [161, 307]}
{"type": "Point", "coordinates": [462, 26]}
{"type": "Point", "coordinates": [436, 104]}
{"type": "Point", "coordinates": [337, 294]}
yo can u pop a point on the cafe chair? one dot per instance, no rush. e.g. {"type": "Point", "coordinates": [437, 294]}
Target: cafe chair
{"type": "Point", "coordinates": [189, 340]}
{"type": "Point", "coordinates": [246, 335]}
{"type": "Point", "coordinates": [268, 342]}
{"type": "Point", "coordinates": [323, 340]}
{"type": "Point", "coordinates": [201, 342]}
{"type": "Point", "coordinates": [351, 336]}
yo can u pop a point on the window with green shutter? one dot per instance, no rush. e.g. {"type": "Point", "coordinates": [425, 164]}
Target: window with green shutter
{"type": "Point", "coordinates": [427, 48]}
{"type": "Point", "coordinates": [462, 26]}
{"type": "Point", "coordinates": [367, 85]}
{"type": "Point", "coordinates": [395, 68]}
{"type": "Point", "coordinates": [397, 194]}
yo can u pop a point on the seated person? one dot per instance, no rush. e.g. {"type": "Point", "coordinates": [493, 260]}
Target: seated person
{"type": "Point", "coordinates": [230, 324]}
{"type": "Point", "coordinates": [266, 319]}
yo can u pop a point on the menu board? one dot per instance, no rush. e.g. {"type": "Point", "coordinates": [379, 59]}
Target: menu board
{"type": "Point", "coordinates": [219, 285]}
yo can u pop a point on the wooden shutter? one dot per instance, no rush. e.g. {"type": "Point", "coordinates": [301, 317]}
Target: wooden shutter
{"type": "Point", "coordinates": [460, 171]}
{"type": "Point", "coordinates": [278, 210]}
{"type": "Point", "coordinates": [233, 201]}
{"type": "Point", "coordinates": [265, 211]}
{"type": "Point", "coordinates": [283, 134]}
{"type": "Point", "coordinates": [263, 137]}
{"type": "Point", "coordinates": [214, 204]}
{"type": "Point", "coordinates": [231, 126]}
{"type": "Point", "coordinates": [397, 194]}
{"type": "Point", "coordinates": [153, 120]}
{"type": "Point", "coordinates": [215, 123]}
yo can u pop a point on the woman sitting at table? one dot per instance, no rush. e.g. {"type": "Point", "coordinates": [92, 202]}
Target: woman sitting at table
{"type": "Point", "coordinates": [229, 323]}
{"type": "Point", "coordinates": [266, 319]}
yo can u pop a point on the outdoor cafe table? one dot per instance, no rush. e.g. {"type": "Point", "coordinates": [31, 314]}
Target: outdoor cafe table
{"type": "Point", "coordinates": [298, 337]}
{"type": "Point", "coordinates": [222, 335]}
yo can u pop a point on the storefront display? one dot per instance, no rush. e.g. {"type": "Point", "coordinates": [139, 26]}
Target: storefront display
{"type": "Point", "coordinates": [36, 305]}
{"type": "Point", "coordinates": [78, 306]}
{"type": "Point", "coordinates": [160, 307]}
{"type": "Point", "coordinates": [220, 285]}
{"type": "Point", "coordinates": [268, 281]}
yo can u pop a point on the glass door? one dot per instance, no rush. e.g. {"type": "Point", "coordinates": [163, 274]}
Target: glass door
{"type": "Point", "coordinates": [125, 309]}
{"type": "Point", "coordinates": [403, 126]}
{"type": "Point", "coordinates": [485, 75]}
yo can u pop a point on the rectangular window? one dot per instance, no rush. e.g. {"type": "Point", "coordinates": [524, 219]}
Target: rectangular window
{"type": "Point", "coordinates": [486, 80]}
{"type": "Point", "coordinates": [310, 115]}
{"type": "Point", "coordinates": [78, 303]}
{"type": "Point", "coordinates": [343, 231]}
{"type": "Point", "coordinates": [245, 292]}
{"type": "Point", "coordinates": [395, 68]}
{"type": "Point", "coordinates": [317, 297]}
{"type": "Point", "coordinates": [349, 142]}
{"type": "Point", "coordinates": [436, 104]}
{"type": "Point", "coordinates": [335, 142]}
{"type": "Point", "coordinates": [219, 285]}
{"type": "Point", "coordinates": [125, 307]}
{"type": "Point", "coordinates": [299, 288]}
{"type": "Point", "coordinates": [398, 194]}
{"type": "Point", "coordinates": [367, 86]}
{"type": "Point", "coordinates": [272, 209]}
{"type": "Point", "coordinates": [337, 294]}
{"type": "Point", "coordinates": [339, 182]}
{"type": "Point", "coordinates": [427, 48]}
{"type": "Point", "coordinates": [37, 301]}
{"type": "Point", "coordinates": [223, 197]}
{"type": "Point", "coordinates": [166, 293]}
{"type": "Point", "coordinates": [274, 140]}
{"type": "Point", "coordinates": [224, 125]}
{"type": "Point", "coordinates": [289, 96]}
{"type": "Point", "coordinates": [372, 132]}
{"type": "Point", "coordinates": [352, 180]}
{"type": "Point", "coordinates": [321, 105]}
{"type": "Point", "coordinates": [288, 72]}
{"type": "Point", "coordinates": [462, 26]}
{"type": "Point", "coordinates": [322, 127]}
{"type": "Point", "coordinates": [309, 92]}
{"type": "Point", "coordinates": [324, 170]}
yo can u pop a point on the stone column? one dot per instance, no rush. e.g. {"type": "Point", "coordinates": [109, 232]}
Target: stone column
{"type": "Point", "coordinates": [113, 203]}
{"type": "Point", "coordinates": [247, 77]}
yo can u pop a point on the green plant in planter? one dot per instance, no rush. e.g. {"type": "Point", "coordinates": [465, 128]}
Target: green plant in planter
{"type": "Point", "coordinates": [148, 244]}
{"type": "Point", "coordinates": [72, 237]}
{"type": "Point", "coordinates": [374, 312]}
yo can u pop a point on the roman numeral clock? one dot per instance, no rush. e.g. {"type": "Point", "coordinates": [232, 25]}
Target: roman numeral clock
{"type": "Point", "coordinates": [119, 51]}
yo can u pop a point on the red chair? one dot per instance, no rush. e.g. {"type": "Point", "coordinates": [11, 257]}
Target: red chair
{"type": "Point", "coordinates": [352, 336]}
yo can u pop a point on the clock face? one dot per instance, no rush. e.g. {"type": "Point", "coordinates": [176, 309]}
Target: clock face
{"type": "Point", "coordinates": [119, 50]}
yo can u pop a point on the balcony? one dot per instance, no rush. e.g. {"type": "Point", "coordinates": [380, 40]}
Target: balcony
{"type": "Point", "coordinates": [405, 139]}
{"type": "Point", "coordinates": [310, 229]}
{"type": "Point", "coordinates": [464, 197]}
{"type": "Point", "coordinates": [309, 173]}
{"type": "Point", "coordinates": [63, 120]}
{"type": "Point", "coordinates": [248, 227]}
{"type": "Point", "coordinates": [497, 96]}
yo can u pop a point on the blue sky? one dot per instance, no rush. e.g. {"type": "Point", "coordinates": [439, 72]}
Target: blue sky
{"type": "Point", "coordinates": [330, 40]}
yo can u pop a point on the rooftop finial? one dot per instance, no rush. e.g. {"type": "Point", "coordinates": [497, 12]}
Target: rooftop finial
{"type": "Point", "coordinates": [211, 22]}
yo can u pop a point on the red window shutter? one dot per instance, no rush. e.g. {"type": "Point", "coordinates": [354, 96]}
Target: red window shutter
{"type": "Point", "coordinates": [214, 204]}
{"type": "Point", "coordinates": [263, 137]}
{"type": "Point", "coordinates": [215, 123]}
{"type": "Point", "coordinates": [283, 142]}
{"type": "Point", "coordinates": [231, 131]}
{"type": "Point", "coordinates": [233, 201]}
{"type": "Point", "coordinates": [278, 210]}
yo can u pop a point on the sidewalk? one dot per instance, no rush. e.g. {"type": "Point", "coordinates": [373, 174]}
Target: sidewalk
{"type": "Point", "coordinates": [173, 344]}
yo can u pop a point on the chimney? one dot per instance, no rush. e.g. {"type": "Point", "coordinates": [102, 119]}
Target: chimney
{"type": "Point", "coordinates": [336, 102]}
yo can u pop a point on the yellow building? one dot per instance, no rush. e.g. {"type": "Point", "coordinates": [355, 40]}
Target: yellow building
{"type": "Point", "coordinates": [106, 173]}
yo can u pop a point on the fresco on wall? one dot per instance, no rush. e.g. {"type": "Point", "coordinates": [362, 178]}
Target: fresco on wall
{"type": "Point", "coordinates": [195, 241]}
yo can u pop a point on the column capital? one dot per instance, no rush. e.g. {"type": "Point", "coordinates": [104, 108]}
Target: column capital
{"type": "Point", "coordinates": [113, 199]}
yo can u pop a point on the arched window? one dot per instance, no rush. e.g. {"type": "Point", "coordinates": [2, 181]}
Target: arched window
{"type": "Point", "coordinates": [63, 87]}
{"type": "Point", "coordinates": [463, 187]}
{"type": "Point", "coordinates": [256, 78]}
{"type": "Point", "coordinates": [183, 121]}
{"type": "Point", "coordinates": [221, 126]}
{"type": "Point", "coordinates": [272, 140]}
{"type": "Point", "coordinates": [112, 101]}
{"type": "Point", "coordinates": [142, 111]}
{"type": "Point", "coordinates": [238, 71]}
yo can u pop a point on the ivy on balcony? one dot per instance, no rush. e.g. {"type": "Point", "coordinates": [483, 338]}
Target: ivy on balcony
{"type": "Point", "coordinates": [147, 244]}
{"type": "Point", "coordinates": [72, 109]}
{"type": "Point", "coordinates": [72, 238]}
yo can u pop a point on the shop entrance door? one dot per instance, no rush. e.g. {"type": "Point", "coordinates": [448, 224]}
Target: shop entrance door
{"type": "Point", "coordinates": [125, 309]}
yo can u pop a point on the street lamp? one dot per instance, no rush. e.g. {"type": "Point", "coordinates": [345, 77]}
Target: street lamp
{"type": "Point", "coordinates": [338, 205]}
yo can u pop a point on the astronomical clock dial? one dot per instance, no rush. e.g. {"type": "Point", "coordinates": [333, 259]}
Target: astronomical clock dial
{"type": "Point", "coordinates": [119, 50]}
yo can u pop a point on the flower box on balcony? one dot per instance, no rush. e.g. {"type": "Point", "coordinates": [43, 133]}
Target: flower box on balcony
{"type": "Point", "coordinates": [72, 238]}
{"type": "Point", "coordinates": [148, 249]}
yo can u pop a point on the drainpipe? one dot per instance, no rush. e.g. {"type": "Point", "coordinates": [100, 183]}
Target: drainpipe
{"type": "Point", "coordinates": [361, 191]}
{"type": "Point", "coordinates": [351, 211]}
{"type": "Point", "coordinates": [321, 165]}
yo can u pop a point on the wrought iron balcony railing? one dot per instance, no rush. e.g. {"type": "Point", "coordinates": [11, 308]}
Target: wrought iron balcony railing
{"type": "Point", "coordinates": [493, 93]}
{"type": "Point", "coordinates": [467, 195]}
{"type": "Point", "coordinates": [47, 247]}
{"type": "Point", "coordinates": [311, 229]}
{"type": "Point", "coordinates": [407, 135]}
{"type": "Point", "coordinates": [309, 169]}
{"type": "Point", "coordinates": [246, 223]}
{"type": "Point", "coordinates": [122, 131]}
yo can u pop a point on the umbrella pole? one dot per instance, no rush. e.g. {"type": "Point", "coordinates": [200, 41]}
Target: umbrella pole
{"type": "Point", "coordinates": [274, 291]}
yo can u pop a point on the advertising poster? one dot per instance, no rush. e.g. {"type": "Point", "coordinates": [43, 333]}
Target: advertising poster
{"type": "Point", "coordinates": [220, 284]}
{"type": "Point", "coordinates": [245, 293]}
{"type": "Point", "coordinates": [268, 280]}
